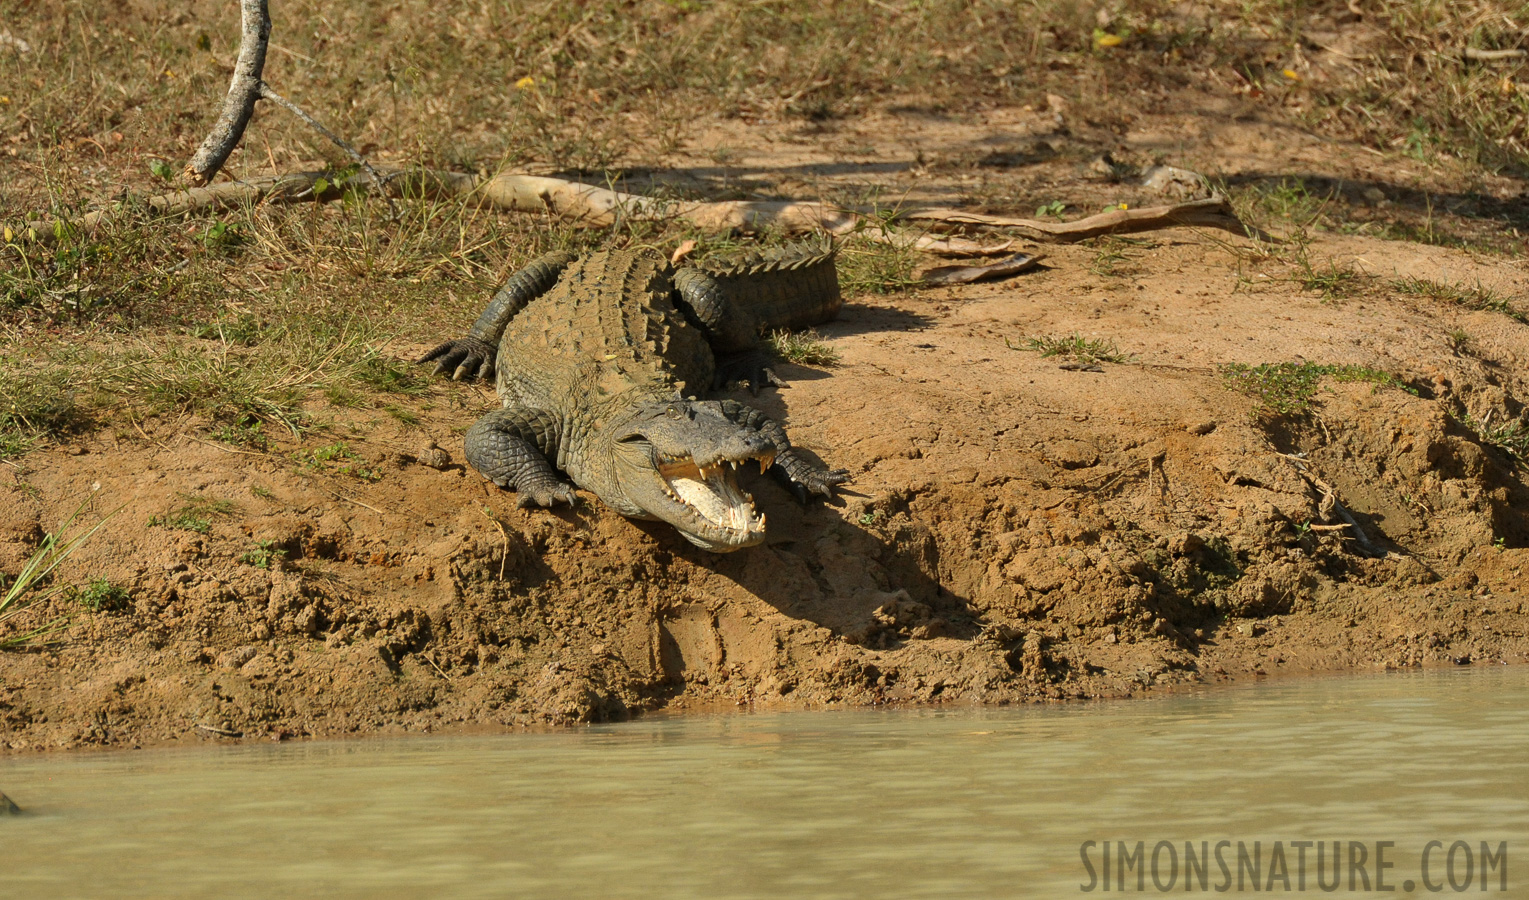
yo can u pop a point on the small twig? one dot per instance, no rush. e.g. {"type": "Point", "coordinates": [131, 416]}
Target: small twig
{"type": "Point", "coordinates": [339, 496]}
{"type": "Point", "coordinates": [1494, 55]}
{"type": "Point", "coordinates": [221, 447]}
{"type": "Point", "coordinates": [145, 435]}
{"type": "Point", "coordinates": [436, 666]}
{"type": "Point", "coordinates": [267, 93]}
{"type": "Point", "coordinates": [504, 554]}
{"type": "Point", "coordinates": [1331, 503]}
{"type": "Point", "coordinates": [224, 732]}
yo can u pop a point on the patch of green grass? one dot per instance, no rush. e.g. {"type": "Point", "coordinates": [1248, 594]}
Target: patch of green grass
{"type": "Point", "coordinates": [100, 595]}
{"type": "Point", "coordinates": [36, 403]}
{"type": "Point", "coordinates": [1107, 261]}
{"type": "Point", "coordinates": [30, 586]}
{"type": "Point", "coordinates": [269, 381]}
{"type": "Point", "coordinates": [877, 267]}
{"type": "Point", "coordinates": [1287, 201]}
{"type": "Point", "coordinates": [1330, 281]}
{"type": "Point", "coordinates": [244, 330]}
{"type": "Point", "coordinates": [1088, 351]}
{"type": "Point", "coordinates": [1288, 389]}
{"type": "Point", "coordinates": [247, 433]}
{"type": "Point", "coordinates": [193, 514]}
{"type": "Point", "coordinates": [405, 416]}
{"type": "Point", "coordinates": [1511, 436]}
{"type": "Point", "coordinates": [324, 459]}
{"type": "Point", "coordinates": [806, 348]}
{"type": "Point", "coordinates": [1474, 298]}
{"type": "Point", "coordinates": [264, 555]}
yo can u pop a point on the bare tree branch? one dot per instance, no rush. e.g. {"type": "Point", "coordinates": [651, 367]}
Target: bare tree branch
{"type": "Point", "coordinates": [266, 93]}
{"type": "Point", "coordinates": [598, 207]}
{"type": "Point", "coordinates": [243, 91]}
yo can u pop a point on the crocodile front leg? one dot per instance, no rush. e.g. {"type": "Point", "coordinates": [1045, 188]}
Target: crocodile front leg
{"type": "Point", "coordinates": [510, 446]}
{"type": "Point", "coordinates": [473, 356]}
{"type": "Point", "coordinates": [803, 476]}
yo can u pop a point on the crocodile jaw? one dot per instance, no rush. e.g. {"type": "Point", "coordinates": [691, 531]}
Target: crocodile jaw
{"type": "Point", "coordinates": [701, 499]}
{"type": "Point", "coordinates": [710, 494]}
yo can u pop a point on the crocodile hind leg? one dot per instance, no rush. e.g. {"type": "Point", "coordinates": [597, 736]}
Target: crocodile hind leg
{"type": "Point", "coordinates": [738, 304]}
{"type": "Point", "coordinates": [803, 476]}
{"type": "Point", "coordinates": [473, 356]}
{"type": "Point", "coordinates": [510, 447]}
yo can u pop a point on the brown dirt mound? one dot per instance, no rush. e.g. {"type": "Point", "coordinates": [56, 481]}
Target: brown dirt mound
{"type": "Point", "coordinates": [1014, 531]}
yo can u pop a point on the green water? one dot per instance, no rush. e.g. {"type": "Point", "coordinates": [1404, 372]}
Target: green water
{"type": "Point", "coordinates": [886, 804]}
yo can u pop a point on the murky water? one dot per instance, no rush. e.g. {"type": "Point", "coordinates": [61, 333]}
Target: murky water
{"type": "Point", "coordinates": [940, 803]}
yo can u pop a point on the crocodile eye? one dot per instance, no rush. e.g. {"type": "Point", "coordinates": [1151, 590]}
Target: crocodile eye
{"type": "Point", "coordinates": [673, 412]}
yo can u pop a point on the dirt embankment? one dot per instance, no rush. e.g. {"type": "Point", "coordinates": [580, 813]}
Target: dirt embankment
{"type": "Point", "coordinates": [1014, 530]}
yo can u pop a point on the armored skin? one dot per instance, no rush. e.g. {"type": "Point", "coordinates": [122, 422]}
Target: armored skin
{"type": "Point", "coordinates": [600, 361]}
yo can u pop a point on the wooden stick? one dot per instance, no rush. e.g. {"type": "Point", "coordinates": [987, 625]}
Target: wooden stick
{"type": "Point", "coordinates": [243, 91]}
{"type": "Point", "coordinates": [1494, 55]}
{"type": "Point", "coordinates": [597, 207]}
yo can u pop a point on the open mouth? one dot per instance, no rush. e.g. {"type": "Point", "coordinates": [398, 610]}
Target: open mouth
{"type": "Point", "coordinates": [710, 491]}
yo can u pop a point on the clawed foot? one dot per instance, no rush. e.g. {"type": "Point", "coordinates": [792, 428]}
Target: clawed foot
{"type": "Point", "coordinates": [546, 495]}
{"type": "Point", "coordinates": [751, 370]}
{"type": "Point", "coordinates": [806, 478]}
{"type": "Point", "coordinates": [466, 357]}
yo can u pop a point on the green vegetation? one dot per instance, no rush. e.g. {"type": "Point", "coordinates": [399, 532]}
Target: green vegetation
{"type": "Point", "coordinates": [193, 514]}
{"type": "Point", "coordinates": [100, 595]}
{"type": "Point", "coordinates": [264, 555]}
{"type": "Point", "coordinates": [248, 433]}
{"type": "Point", "coordinates": [337, 459]}
{"type": "Point", "coordinates": [806, 348]}
{"type": "Point", "coordinates": [1474, 298]}
{"type": "Point", "coordinates": [1288, 389]}
{"type": "Point", "coordinates": [31, 586]}
{"type": "Point", "coordinates": [877, 267]}
{"type": "Point", "coordinates": [1107, 262]}
{"type": "Point", "coordinates": [1331, 281]}
{"type": "Point", "coordinates": [1087, 351]}
{"type": "Point", "coordinates": [1510, 436]}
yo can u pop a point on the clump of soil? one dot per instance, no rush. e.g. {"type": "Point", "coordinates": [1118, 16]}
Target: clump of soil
{"type": "Point", "coordinates": [1018, 527]}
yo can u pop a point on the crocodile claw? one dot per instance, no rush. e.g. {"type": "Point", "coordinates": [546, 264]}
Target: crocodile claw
{"type": "Point", "coordinates": [466, 357]}
{"type": "Point", "coordinates": [806, 478]}
{"type": "Point", "coordinates": [547, 495]}
{"type": "Point", "coordinates": [751, 370]}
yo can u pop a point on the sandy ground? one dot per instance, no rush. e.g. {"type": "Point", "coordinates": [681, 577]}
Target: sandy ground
{"type": "Point", "coordinates": [1014, 531]}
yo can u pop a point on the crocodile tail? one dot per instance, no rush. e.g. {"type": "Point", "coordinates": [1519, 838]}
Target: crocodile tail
{"type": "Point", "coordinates": [790, 287]}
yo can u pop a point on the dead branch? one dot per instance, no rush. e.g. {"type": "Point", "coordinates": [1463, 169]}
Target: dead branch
{"type": "Point", "coordinates": [1213, 212]}
{"type": "Point", "coordinates": [243, 91]}
{"type": "Point", "coordinates": [598, 207]}
{"type": "Point", "coordinates": [1003, 268]}
{"type": "Point", "coordinates": [1472, 53]}
{"type": "Point", "coordinates": [266, 93]}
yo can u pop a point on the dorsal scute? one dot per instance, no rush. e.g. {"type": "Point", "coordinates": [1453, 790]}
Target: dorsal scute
{"type": "Point", "coordinates": [787, 258]}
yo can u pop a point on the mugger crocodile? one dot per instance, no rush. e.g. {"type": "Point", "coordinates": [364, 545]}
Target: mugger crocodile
{"type": "Point", "coordinates": [600, 360]}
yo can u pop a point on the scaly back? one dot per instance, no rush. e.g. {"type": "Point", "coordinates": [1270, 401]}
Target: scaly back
{"type": "Point", "coordinates": [609, 323]}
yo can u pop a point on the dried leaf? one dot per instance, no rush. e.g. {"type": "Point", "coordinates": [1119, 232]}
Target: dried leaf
{"type": "Point", "coordinates": [1003, 268]}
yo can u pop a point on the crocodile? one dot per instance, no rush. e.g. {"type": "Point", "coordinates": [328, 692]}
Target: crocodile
{"type": "Point", "coordinates": [602, 361]}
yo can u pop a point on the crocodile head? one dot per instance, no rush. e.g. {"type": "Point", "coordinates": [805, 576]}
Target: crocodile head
{"type": "Point", "coordinates": [677, 461]}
